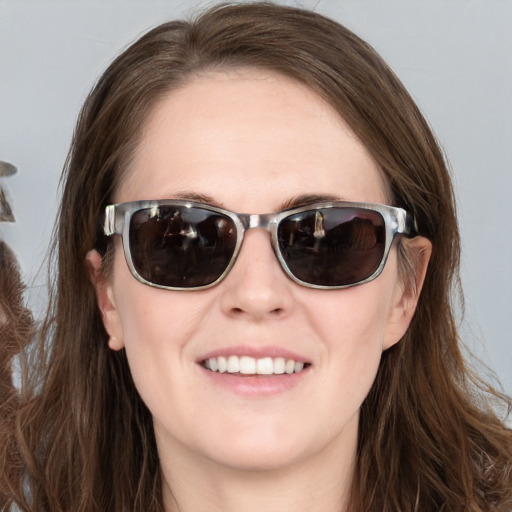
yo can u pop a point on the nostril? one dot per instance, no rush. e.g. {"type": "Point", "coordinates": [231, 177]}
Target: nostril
{"type": "Point", "coordinates": [236, 311]}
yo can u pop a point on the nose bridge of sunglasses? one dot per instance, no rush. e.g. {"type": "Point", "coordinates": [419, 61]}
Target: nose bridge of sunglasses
{"type": "Point", "coordinates": [255, 220]}
{"type": "Point", "coordinates": [261, 222]}
{"type": "Point", "coordinates": [258, 221]}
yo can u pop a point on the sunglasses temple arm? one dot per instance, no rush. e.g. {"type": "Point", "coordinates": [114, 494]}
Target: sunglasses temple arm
{"type": "Point", "coordinates": [109, 227]}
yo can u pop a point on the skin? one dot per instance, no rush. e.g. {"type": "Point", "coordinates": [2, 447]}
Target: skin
{"type": "Point", "coordinates": [253, 141]}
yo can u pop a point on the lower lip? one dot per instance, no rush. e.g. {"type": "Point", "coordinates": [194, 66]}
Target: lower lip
{"type": "Point", "coordinates": [256, 385]}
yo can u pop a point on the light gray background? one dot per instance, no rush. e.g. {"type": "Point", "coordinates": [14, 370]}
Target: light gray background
{"type": "Point", "coordinates": [455, 57]}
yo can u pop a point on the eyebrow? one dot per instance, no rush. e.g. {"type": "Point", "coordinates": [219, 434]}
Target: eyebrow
{"type": "Point", "coordinates": [198, 198]}
{"type": "Point", "coordinates": [305, 199]}
{"type": "Point", "coordinates": [292, 202]}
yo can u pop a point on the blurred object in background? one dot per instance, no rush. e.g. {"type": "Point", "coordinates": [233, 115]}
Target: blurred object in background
{"type": "Point", "coordinates": [15, 319]}
{"type": "Point", "coordinates": [6, 169]}
{"type": "Point", "coordinates": [16, 332]}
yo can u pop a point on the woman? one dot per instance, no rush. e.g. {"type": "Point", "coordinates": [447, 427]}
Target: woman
{"type": "Point", "coordinates": [318, 371]}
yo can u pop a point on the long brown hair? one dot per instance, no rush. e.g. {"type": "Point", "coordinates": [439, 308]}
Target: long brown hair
{"type": "Point", "coordinates": [429, 439]}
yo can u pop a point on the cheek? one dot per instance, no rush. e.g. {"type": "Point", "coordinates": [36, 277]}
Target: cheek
{"type": "Point", "coordinates": [150, 316]}
{"type": "Point", "coordinates": [355, 319]}
{"type": "Point", "coordinates": [352, 325]}
{"type": "Point", "coordinates": [156, 325]}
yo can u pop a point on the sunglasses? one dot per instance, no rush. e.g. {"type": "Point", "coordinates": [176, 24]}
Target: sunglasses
{"type": "Point", "coordinates": [183, 245]}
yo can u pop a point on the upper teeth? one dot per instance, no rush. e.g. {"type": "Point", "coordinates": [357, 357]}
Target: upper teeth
{"type": "Point", "coordinates": [251, 366]}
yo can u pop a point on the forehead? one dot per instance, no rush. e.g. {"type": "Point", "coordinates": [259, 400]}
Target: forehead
{"type": "Point", "coordinates": [244, 132]}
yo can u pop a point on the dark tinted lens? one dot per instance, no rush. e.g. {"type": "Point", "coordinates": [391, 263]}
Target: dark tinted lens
{"type": "Point", "coordinates": [181, 247]}
{"type": "Point", "coordinates": [333, 246]}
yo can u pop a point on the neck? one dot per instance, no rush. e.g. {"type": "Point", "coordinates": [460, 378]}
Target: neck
{"type": "Point", "coordinates": [320, 483]}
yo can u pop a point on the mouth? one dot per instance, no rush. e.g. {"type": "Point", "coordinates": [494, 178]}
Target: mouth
{"type": "Point", "coordinates": [250, 366]}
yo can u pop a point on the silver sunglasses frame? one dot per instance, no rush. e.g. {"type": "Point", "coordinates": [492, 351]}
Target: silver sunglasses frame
{"type": "Point", "coordinates": [117, 221]}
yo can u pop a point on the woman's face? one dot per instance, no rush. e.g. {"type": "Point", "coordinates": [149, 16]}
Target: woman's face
{"type": "Point", "coordinates": [252, 141]}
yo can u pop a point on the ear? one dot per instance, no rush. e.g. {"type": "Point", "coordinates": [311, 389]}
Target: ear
{"type": "Point", "coordinates": [105, 298]}
{"type": "Point", "coordinates": [417, 252]}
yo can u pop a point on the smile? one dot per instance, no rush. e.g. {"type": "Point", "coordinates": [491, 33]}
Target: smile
{"type": "Point", "coordinates": [247, 365]}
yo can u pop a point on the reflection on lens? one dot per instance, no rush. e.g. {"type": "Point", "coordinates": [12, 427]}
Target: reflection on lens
{"type": "Point", "coordinates": [181, 247]}
{"type": "Point", "coordinates": [333, 246]}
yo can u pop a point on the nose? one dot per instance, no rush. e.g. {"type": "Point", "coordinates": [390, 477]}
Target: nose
{"type": "Point", "coordinates": [256, 288]}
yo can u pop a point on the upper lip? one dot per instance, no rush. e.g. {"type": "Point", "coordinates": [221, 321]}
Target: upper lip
{"type": "Point", "coordinates": [255, 352]}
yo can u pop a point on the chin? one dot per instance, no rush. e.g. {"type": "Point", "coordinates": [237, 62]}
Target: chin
{"type": "Point", "coordinates": [261, 451]}
{"type": "Point", "coordinates": [257, 460]}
